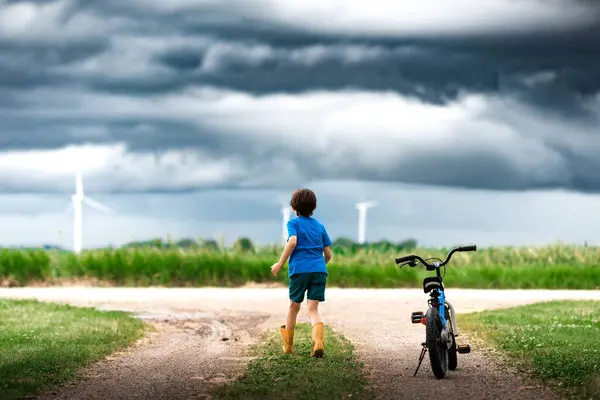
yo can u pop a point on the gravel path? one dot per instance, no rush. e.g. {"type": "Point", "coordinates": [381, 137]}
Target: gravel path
{"type": "Point", "coordinates": [184, 359]}
{"type": "Point", "coordinates": [187, 356]}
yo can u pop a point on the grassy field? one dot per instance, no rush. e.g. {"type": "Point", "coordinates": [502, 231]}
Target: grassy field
{"type": "Point", "coordinates": [551, 267]}
{"type": "Point", "coordinates": [274, 375]}
{"type": "Point", "coordinates": [43, 344]}
{"type": "Point", "coordinates": [555, 341]}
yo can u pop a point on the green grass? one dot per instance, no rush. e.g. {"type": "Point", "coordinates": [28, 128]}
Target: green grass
{"type": "Point", "coordinates": [555, 341]}
{"type": "Point", "coordinates": [551, 267]}
{"type": "Point", "coordinates": [274, 375]}
{"type": "Point", "coordinates": [44, 344]}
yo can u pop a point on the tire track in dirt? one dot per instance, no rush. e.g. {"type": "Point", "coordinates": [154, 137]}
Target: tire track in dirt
{"type": "Point", "coordinates": [182, 359]}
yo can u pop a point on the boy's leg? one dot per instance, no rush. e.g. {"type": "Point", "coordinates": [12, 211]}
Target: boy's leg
{"type": "Point", "coordinates": [292, 315]}
{"type": "Point", "coordinates": [313, 312]}
{"type": "Point", "coordinates": [318, 346]}
{"type": "Point", "coordinates": [296, 292]}
{"type": "Point", "coordinates": [316, 294]}
{"type": "Point", "coordinates": [298, 285]}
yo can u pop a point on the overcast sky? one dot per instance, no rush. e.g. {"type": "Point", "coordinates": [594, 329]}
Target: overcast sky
{"type": "Point", "coordinates": [469, 122]}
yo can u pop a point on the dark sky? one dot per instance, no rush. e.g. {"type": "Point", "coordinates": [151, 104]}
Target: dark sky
{"type": "Point", "coordinates": [205, 94]}
{"type": "Point", "coordinates": [208, 97]}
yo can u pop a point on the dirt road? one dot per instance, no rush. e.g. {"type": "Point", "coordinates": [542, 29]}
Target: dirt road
{"type": "Point", "coordinates": [203, 334]}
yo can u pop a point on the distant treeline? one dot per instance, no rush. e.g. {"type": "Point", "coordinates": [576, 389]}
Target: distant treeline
{"type": "Point", "coordinates": [246, 244]}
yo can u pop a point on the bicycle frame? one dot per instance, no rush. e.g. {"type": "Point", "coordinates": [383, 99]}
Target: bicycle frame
{"type": "Point", "coordinates": [442, 303]}
{"type": "Point", "coordinates": [441, 307]}
{"type": "Point", "coordinates": [440, 297]}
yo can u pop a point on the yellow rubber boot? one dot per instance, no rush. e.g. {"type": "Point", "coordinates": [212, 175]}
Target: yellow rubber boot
{"type": "Point", "coordinates": [318, 348]}
{"type": "Point", "coordinates": [288, 340]}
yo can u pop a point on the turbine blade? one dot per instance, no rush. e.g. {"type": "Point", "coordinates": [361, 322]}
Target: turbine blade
{"type": "Point", "coordinates": [98, 206]}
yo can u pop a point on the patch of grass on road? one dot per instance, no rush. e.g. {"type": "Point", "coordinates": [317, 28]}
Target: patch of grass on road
{"type": "Point", "coordinates": [44, 344]}
{"type": "Point", "coordinates": [556, 341]}
{"type": "Point", "coordinates": [274, 375]}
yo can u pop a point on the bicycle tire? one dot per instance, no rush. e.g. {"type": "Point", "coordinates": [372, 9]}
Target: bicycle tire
{"type": "Point", "coordinates": [452, 351]}
{"type": "Point", "coordinates": [438, 357]}
{"type": "Point", "coordinates": [453, 355]}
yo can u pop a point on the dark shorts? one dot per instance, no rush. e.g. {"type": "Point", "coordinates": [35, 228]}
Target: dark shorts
{"type": "Point", "coordinates": [313, 283]}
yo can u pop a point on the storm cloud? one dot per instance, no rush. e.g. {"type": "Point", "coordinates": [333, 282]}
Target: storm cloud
{"type": "Point", "coordinates": [186, 95]}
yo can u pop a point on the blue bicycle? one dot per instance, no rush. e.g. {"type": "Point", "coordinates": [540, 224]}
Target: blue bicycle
{"type": "Point", "coordinates": [440, 319]}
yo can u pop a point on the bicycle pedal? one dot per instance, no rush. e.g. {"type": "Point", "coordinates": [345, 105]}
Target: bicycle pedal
{"type": "Point", "coordinates": [417, 317]}
{"type": "Point", "coordinates": [463, 349]}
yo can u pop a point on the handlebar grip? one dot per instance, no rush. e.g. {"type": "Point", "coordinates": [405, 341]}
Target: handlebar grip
{"type": "Point", "coordinates": [404, 259]}
{"type": "Point", "coordinates": [467, 248]}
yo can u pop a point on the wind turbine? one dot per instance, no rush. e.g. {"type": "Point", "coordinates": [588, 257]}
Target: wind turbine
{"type": "Point", "coordinates": [77, 201]}
{"type": "Point", "coordinates": [362, 208]}
{"type": "Point", "coordinates": [286, 212]}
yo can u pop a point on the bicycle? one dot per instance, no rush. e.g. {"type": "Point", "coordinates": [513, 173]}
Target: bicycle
{"type": "Point", "coordinates": [440, 318]}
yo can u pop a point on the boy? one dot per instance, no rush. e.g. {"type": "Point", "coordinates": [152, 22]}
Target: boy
{"type": "Point", "coordinates": [309, 250]}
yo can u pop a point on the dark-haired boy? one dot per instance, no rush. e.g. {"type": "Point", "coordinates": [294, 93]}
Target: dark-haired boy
{"type": "Point", "coordinates": [309, 250]}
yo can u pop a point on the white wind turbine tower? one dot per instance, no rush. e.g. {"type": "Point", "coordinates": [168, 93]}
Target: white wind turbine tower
{"type": "Point", "coordinates": [286, 212]}
{"type": "Point", "coordinates": [362, 208]}
{"type": "Point", "coordinates": [77, 201]}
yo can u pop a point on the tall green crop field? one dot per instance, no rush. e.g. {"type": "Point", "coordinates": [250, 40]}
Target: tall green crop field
{"type": "Point", "coordinates": [552, 267]}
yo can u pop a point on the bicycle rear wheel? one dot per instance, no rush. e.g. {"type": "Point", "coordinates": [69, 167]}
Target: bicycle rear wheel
{"type": "Point", "coordinates": [438, 355]}
{"type": "Point", "coordinates": [452, 351]}
{"type": "Point", "coordinates": [452, 355]}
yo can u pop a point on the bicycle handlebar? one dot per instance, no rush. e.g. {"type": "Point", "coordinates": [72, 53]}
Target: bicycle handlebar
{"type": "Point", "coordinates": [467, 248]}
{"type": "Point", "coordinates": [411, 258]}
{"type": "Point", "coordinates": [404, 259]}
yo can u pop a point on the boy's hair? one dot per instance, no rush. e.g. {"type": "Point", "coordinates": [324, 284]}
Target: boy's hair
{"type": "Point", "coordinates": [304, 202]}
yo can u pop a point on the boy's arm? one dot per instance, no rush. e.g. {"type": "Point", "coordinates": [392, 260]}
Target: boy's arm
{"type": "Point", "coordinates": [326, 246]}
{"type": "Point", "coordinates": [289, 247]}
{"type": "Point", "coordinates": [327, 253]}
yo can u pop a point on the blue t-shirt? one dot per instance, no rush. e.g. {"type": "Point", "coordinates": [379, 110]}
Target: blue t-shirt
{"type": "Point", "coordinates": [311, 237]}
